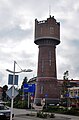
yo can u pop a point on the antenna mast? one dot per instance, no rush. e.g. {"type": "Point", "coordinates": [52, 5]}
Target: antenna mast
{"type": "Point", "coordinates": [49, 10]}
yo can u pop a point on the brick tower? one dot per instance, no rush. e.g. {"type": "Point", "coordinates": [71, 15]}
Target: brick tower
{"type": "Point", "coordinates": [47, 36]}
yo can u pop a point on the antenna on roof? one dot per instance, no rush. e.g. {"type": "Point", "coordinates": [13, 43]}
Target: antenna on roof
{"type": "Point", "coordinates": [49, 10]}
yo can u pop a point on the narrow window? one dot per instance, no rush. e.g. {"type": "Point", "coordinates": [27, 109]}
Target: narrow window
{"type": "Point", "coordinates": [41, 30]}
{"type": "Point", "coordinates": [50, 58]}
{"type": "Point", "coordinates": [42, 89]}
{"type": "Point", "coordinates": [51, 30]}
{"type": "Point", "coordinates": [42, 65]}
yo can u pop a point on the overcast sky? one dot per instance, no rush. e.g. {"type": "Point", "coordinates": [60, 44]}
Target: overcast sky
{"type": "Point", "coordinates": [17, 19]}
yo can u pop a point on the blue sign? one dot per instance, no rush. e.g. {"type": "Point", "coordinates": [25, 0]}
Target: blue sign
{"type": "Point", "coordinates": [67, 95]}
{"type": "Point", "coordinates": [25, 87]}
{"type": "Point", "coordinates": [10, 80]}
{"type": "Point", "coordinates": [32, 94]}
{"type": "Point", "coordinates": [29, 88]}
{"type": "Point", "coordinates": [46, 95]}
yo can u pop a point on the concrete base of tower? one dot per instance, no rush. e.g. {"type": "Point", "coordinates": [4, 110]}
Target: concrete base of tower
{"type": "Point", "coordinates": [47, 101]}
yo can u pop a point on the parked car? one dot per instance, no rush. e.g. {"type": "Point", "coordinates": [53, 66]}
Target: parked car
{"type": "Point", "coordinates": [5, 112]}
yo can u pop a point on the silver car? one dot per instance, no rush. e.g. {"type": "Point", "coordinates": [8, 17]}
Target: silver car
{"type": "Point", "coordinates": [5, 112]}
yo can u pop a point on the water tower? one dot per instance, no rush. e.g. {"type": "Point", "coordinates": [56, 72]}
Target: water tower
{"type": "Point", "coordinates": [47, 36]}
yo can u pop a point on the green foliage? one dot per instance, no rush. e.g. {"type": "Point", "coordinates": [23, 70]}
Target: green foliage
{"type": "Point", "coordinates": [66, 75]}
{"type": "Point", "coordinates": [5, 88]}
{"type": "Point", "coordinates": [8, 103]}
{"type": "Point", "coordinates": [24, 81]}
{"type": "Point", "coordinates": [41, 115]}
{"type": "Point", "coordinates": [72, 111]}
{"type": "Point", "coordinates": [65, 85]}
{"type": "Point", "coordinates": [52, 115]}
{"type": "Point", "coordinates": [45, 115]}
{"type": "Point", "coordinates": [21, 104]}
{"type": "Point", "coordinates": [62, 110]}
{"type": "Point", "coordinates": [51, 109]}
{"type": "Point", "coordinates": [18, 102]}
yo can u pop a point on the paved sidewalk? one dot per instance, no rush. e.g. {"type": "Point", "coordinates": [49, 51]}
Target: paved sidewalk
{"type": "Point", "coordinates": [21, 115]}
{"type": "Point", "coordinates": [69, 116]}
{"type": "Point", "coordinates": [36, 118]}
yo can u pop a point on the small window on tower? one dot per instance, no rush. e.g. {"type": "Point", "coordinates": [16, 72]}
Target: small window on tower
{"type": "Point", "coordinates": [50, 58]}
{"type": "Point", "coordinates": [51, 30]}
{"type": "Point", "coordinates": [41, 30]}
{"type": "Point", "coordinates": [42, 89]}
{"type": "Point", "coordinates": [42, 65]}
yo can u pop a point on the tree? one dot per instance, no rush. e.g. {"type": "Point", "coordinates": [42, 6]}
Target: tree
{"type": "Point", "coordinates": [66, 75]}
{"type": "Point", "coordinates": [24, 94]}
{"type": "Point", "coordinates": [21, 100]}
{"type": "Point", "coordinates": [5, 88]}
{"type": "Point", "coordinates": [65, 86]}
{"type": "Point", "coordinates": [24, 82]}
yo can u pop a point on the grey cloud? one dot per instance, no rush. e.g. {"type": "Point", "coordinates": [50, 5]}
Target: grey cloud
{"type": "Point", "coordinates": [25, 58]}
{"type": "Point", "coordinates": [15, 13]}
{"type": "Point", "coordinates": [69, 57]}
{"type": "Point", "coordinates": [15, 33]}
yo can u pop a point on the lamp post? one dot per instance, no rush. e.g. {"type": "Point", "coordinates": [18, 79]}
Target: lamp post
{"type": "Point", "coordinates": [28, 70]}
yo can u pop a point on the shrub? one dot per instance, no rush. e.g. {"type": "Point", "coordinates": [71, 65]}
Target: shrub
{"type": "Point", "coordinates": [45, 115]}
{"type": "Point", "coordinates": [72, 111]}
{"type": "Point", "coordinates": [20, 104]}
{"type": "Point", "coordinates": [52, 115]}
{"type": "Point", "coordinates": [41, 115]}
{"type": "Point", "coordinates": [51, 109]}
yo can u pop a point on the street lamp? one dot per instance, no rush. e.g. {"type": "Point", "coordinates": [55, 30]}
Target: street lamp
{"type": "Point", "coordinates": [28, 70]}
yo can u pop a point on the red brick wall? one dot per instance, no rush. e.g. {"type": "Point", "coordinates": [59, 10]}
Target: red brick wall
{"type": "Point", "coordinates": [48, 28]}
{"type": "Point", "coordinates": [47, 61]}
{"type": "Point", "coordinates": [47, 36]}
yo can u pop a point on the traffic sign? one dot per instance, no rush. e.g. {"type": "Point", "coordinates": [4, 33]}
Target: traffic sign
{"type": "Point", "coordinates": [9, 92]}
{"type": "Point", "coordinates": [10, 79]}
{"type": "Point", "coordinates": [29, 88]}
{"type": "Point", "coordinates": [46, 95]}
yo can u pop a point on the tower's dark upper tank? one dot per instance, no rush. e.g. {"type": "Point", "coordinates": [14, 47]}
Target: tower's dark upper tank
{"type": "Point", "coordinates": [47, 30]}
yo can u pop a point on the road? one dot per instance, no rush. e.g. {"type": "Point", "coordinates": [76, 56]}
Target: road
{"type": "Point", "coordinates": [20, 114]}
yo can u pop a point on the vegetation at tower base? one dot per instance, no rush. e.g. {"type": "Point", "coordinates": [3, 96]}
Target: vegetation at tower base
{"type": "Point", "coordinates": [64, 106]}
{"type": "Point", "coordinates": [42, 114]}
{"type": "Point", "coordinates": [65, 92]}
{"type": "Point", "coordinates": [62, 110]}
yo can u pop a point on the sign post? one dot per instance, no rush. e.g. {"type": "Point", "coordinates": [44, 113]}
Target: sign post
{"type": "Point", "coordinates": [30, 88]}
{"type": "Point", "coordinates": [46, 95]}
{"type": "Point", "coordinates": [28, 99]}
{"type": "Point", "coordinates": [13, 83]}
{"type": "Point", "coordinates": [12, 92]}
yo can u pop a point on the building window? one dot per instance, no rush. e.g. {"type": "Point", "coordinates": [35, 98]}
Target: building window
{"type": "Point", "coordinates": [42, 89]}
{"type": "Point", "coordinates": [41, 31]}
{"type": "Point", "coordinates": [42, 65]}
{"type": "Point", "coordinates": [51, 30]}
{"type": "Point", "coordinates": [49, 56]}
